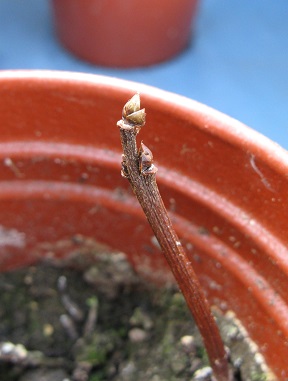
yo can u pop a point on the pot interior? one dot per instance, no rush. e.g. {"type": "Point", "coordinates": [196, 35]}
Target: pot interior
{"type": "Point", "coordinates": [224, 185]}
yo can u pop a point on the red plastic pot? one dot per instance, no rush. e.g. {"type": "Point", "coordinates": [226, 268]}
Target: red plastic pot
{"type": "Point", "coordinates": [124, 33]}
{"type": "Point", "coordinates": [225, 185]}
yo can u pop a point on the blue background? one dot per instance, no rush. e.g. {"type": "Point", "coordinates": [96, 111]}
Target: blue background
{"type": "Point", "coordinates": [237, 61]}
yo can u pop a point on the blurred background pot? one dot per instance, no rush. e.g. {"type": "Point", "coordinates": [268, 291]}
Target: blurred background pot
{"type": "Point", "coordinates": [225, 186]}
{"type": "Point", "coordinates": [124, 33]}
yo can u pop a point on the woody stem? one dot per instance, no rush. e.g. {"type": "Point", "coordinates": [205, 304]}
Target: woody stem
{"type": "Point", "coordinates": [146, 190]}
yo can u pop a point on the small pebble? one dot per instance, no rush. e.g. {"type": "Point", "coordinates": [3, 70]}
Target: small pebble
{"type": "Point", "coordinates": [48, 330]}
{"type": "Point", "coordinates": [6, 348]}
{"type": "Point", "coordinates": [128, 370]}
{"type": "Point", "coordinates": [137, 335]}
{"type": "Point", "coordinates": [203, 374]}
{"type": "Point", "coordinates": [188, 343]}
{"type": "Point", "coordinates": [62, 283]}
{"type": "Point", "coordinates": [13, 352]}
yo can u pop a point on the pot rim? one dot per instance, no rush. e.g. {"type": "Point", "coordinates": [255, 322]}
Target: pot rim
{"type": "Point", "coordinates": [224, 126]}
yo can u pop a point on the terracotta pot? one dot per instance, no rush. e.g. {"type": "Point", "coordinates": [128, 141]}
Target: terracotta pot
{"type": "Point", "coordinates": [124, 33]}
{"type": "Point", "coordinates": [225, 185]}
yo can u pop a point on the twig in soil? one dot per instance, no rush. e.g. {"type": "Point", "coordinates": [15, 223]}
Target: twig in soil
{"type": "Point", "coordinates": [69, 326]}
{"type": "Point", "coordinates": [71, 307]}
{"type": "Point", "coordinates": [91, 318]}
{"type": "Point", "coordinates": [138, 168]}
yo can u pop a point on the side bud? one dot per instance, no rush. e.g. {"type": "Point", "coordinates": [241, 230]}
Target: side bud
{"type": "Point", "coordinates": [146, 165]}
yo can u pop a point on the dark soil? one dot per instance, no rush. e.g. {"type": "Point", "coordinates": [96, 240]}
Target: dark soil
{"type": "Point", "coordinates": [102, 322]}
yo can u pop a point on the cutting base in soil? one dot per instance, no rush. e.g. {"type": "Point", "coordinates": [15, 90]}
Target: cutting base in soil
{"type": "Point", "coordinates": [95, 319]}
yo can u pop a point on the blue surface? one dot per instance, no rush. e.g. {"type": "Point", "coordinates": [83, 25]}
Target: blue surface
{"type": "Point", "coordinates": [237, 61]}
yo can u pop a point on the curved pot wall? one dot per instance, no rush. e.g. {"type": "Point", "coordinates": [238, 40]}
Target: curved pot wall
{"type": "Point", "coordinates": [225, 185]}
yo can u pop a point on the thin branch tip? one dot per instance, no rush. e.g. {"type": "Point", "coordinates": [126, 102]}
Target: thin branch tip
{"type": "Point", "coordinates": [132, 115]}
{"type": "Point", "coordinates": [132, 105]}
